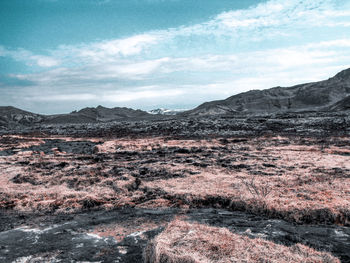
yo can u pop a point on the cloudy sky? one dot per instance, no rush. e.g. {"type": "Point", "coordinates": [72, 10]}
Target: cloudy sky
{"type": "Point", "coordinates": [60, 55]}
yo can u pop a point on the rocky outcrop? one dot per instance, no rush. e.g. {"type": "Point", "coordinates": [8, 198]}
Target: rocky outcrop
{"type": "Point", "coordinates": [68, 238]}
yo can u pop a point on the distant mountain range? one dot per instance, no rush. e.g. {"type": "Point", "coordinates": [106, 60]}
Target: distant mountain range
{"type": "Point", "coordinates": [328, 95]}
{"type": "Point", "coordinates": [10, 116]}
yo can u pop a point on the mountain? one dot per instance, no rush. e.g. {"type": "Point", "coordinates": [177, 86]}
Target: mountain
{"type": "Point", "coordinates": [98, 114]}
{"type": "Point", "coordinates": [12, 117]}
{"type": "Point", "coordinates": [316, 96]}
{"type": "Point", "coordinates": [109, 114]}
{"type": "Point", "coordinates": [162, 111]}
{"type": "Point", "coordinates": [327, 95]}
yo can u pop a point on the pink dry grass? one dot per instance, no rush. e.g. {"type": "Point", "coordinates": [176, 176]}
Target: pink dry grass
{"type": "Point", "coordinates": [183, 242]}
{"type": "Point", "coordinates": [308, 180]}
{"type": "Point", "coordinates": [302, 184]}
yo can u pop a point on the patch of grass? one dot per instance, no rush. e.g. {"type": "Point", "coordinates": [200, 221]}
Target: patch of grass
{"type": "Point", "coordinates": [183, 242]}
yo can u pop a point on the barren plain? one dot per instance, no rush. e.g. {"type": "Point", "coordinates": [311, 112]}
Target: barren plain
{"type": "Point", "coordinates": [138, 191]}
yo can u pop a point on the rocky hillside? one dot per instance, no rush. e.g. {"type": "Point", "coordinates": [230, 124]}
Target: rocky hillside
{"type": "Point", "coordinates": [331, 94]}
{"type": "Point", "coordinates": [109, 114]}
{"type": "Point", "coordinates": [327, 96]}
{"type": "Point", "coordinates": [98, 114]}
{"type": "Point", "coordinates": [11, 117]}
{"type": "Point", "coordinates": [341, 105]}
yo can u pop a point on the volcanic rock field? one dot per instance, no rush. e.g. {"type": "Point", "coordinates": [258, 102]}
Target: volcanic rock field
{"type": "Point", "coordinates": [105, 192]}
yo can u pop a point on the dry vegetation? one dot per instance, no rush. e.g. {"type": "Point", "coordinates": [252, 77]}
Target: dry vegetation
{"type": "Point", "coordinates": [183, 242]}
{"type": "Point", "coordinates": [279, 177]}
{"type": "Point", "coordinates": [120, 230]}
{"type": "Point", "coordinates": [302, 180]}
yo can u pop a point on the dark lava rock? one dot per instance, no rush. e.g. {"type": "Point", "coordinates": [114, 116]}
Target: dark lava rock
{"type": "Point", "coordinates": [76, 147]}
{"type": "Point", "coordinates": [149, 174]}
{"type": "Point", "coordinates": [7, 152]}
{"type": "Point", "coordinates": [68, 234]}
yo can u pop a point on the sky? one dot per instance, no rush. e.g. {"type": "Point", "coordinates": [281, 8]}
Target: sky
{"type": "Point", "coordinates": [57, 56]}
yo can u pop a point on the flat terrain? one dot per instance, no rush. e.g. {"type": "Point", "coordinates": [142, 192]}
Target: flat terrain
{"type": "Point", "coordinates": [101, 197]}
{"type": "Point", "coordinates": [305, 180]}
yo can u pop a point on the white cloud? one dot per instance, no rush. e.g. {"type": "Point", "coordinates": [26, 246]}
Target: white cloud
{"type": "Point", "coordinates": [29, 58]}
{"type": "Point", "coordinates": [63, 97]}
{"type": "Point", "coordinates": [229, 53]}
{"type": "Point", "coordinates": [108, 50]}
{"type": "Point", "coordinates": [266, 20]}
{"type": "Point", "coordinates": [129, 46]}
{"type": "Point", "coordinates": [150, 92]}
{"type": "Point", "coordinates": [45, 62]}
{"type": "Point", "coordinates": [140, 93]}
{"type": "Point", "coordinates": [345, 42]}
{"type": "Point", "coordinates": [239, 65]}
{"type": "Point", "coordinates": [271, 16]}
{"type": "Point", "coordinates": [134, 70]}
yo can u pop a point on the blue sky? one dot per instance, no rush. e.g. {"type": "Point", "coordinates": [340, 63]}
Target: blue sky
{"type": "Point", "coordinates": [60, 55]}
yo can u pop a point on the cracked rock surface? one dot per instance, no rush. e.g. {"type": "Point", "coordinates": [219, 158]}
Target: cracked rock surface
{"type": "Point", "coordinates": [71, 239]}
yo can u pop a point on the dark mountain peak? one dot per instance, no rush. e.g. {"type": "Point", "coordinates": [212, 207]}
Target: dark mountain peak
{"type": "Point", "coordinates": [12, 117]}
{"type": "Point", "coordinates": [99, 107]}
{"type": "Point", "coordinates": [12, 110]}
{"type": "Point", "coordinates": [344, 74]}
{"type": "Point", "coordinates": [101, 113]}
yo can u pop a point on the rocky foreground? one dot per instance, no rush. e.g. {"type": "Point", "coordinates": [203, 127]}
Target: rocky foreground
{"type": "Point", "coordinates": [102, 192]}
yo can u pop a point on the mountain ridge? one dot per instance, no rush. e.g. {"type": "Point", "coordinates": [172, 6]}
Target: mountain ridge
{"type": "Point", "coordinates": [332, 94]}
{"type": "Point", "coordinates": [11, 116]}
{"type": "Point", "coordinates": [314, 96]}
